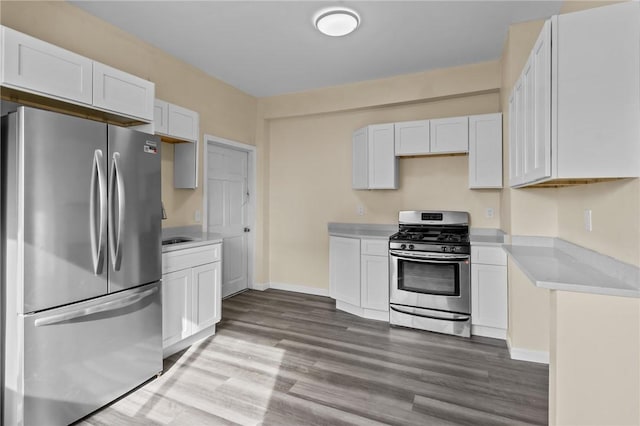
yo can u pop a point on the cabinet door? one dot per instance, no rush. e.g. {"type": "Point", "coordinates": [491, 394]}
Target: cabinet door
{"type": "Point", "coordinates": [598, 92]}
{"type": "Point", "coordinates": [185, 165]}
{"type": "Point", "coordinates": [160, 117]}
{"type": "Point", "coordinates": [206, 296]}
{"type": "Point", "coordinates": [360, 162]}
{"type": "Point", "coordinates": [183, 123]}
{"type": "Point", "coordinates": [449, 135]}
{"type": "Point", "coordinates": [489, 296]}
{"type": "Point", "coordinates": [382, 159]}
{"type": "Point", "coordinates": [123, 93]}
{"type": "Point", "coordinates": [37, 66]}
{"type": "Point", "coordinates": [485, 151]}
{"type": "Point", "coordinates": [375, 282]}
{"type": "Point", "coordinates": [176, 306]}
{"type": "Point", "coordinates": [528, 93]}
{"type": "Point", "coordinates": [516, 137]}
{"type": "Point", "coordinates": [344, 269]}
{"type": "Point", "coordinates": [538, 163]}
{"type": "Point", "coordinates": [412, 138]}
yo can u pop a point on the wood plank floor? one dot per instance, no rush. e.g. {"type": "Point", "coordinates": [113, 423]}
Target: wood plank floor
{"type": "Point", "coordinates": [282, 358]}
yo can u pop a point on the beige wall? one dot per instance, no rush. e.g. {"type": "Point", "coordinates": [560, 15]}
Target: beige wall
{"type": "Point", "coordinates": [310, 183]}
{"type": "Point", "coordinates": [224, 110]}
{"type": "Point", "coordinates": [594, 372]}
{"type": "Point", "coordinates": [308, 141]}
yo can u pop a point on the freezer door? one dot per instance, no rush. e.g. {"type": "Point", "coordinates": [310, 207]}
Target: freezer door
{"type": "Point", "coordinates": [57, 202]}
{"type": "Point", "coordinates": [82, 356]}
{"type": "Point", "coordinates": [135, 210]}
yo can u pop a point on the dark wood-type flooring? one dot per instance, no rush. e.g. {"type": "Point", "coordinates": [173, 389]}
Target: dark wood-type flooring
{"type": "Point", "coordinates": [284, 358]}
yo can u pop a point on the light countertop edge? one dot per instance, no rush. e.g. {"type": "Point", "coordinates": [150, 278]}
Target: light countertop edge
{"type": "Point", "coordinates": [486, 237]}
{"type": "Point", "coordinates": [556, 264]}
{"type": "Point", "coordinates": [199, 238]}
{"type": "Point", "coordinates": [361, 230]}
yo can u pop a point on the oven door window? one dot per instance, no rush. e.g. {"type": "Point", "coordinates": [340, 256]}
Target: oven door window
{"type": "Point", "coordinates": [440, 278]}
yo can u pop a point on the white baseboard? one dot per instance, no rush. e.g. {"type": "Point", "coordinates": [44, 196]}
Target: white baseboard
{"type": "Point", "coordinates": [260, 286]}
{"type": "Point", "coordinates": [541, 357]}
{"type": "Point", "coordinates": [495, 333]}
{"type": "Point", "coordinates": [292, 287]}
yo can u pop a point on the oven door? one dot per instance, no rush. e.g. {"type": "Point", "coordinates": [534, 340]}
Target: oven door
{"type": "Point", "coordinates": [439, 281]}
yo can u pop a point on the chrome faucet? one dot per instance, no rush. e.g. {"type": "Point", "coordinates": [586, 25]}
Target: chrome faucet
{"type": "Point", "coordinates": [164, 212]}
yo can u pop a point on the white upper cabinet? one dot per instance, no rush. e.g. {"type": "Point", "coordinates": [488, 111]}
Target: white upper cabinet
{"type": "Point", "coordinates": [374, 160]}
{"type": "Point", "coordinates": [485, 151]}
{"type": "Point", "coordinates": [412, 138]}
{"type": "Point", "coordinates": [160, 117]}
{"type": "Point", "coordinates": [179, 124]}
{"type": "Point", "coordinates": [175, 121]}
{"type": "Point", "coordinates": [576, 105]}
{"type": "Point", "coordinates": [34, 66]}
{"type": "Point", "coordinates": [183, 123]}
{"type": "Point", "coordinates": [118, 91]}
{"type": "Point", "coordinates": [37, 66]}
{"type": "Point", "coordinates": [449, 135]}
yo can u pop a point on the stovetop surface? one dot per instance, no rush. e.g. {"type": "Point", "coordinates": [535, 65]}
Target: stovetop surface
{"type": "Point", "coordinates": [431, 234]}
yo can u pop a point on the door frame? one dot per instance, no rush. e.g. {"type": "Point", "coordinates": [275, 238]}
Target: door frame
{"type": "Point", "coordinates": [211, 140]}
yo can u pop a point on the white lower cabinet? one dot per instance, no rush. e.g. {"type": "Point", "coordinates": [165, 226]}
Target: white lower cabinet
{"type": "Point", "coordinates": [359, 276]}
{"type": "Point", "coordinates": [191, 295]}
{"type": "Point", "coordinates": [489, 292]}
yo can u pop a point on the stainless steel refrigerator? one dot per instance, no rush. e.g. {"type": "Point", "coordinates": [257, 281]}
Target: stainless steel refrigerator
{"type": "Point", "coordinates": [81, 252]}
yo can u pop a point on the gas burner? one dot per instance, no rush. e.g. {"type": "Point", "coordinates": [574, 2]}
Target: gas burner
{"type": "Point", "coordinates": [432, 232]}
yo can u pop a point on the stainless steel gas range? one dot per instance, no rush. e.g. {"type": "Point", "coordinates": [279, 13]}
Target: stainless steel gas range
{"type": "Point", "coordinates": [430, 273]}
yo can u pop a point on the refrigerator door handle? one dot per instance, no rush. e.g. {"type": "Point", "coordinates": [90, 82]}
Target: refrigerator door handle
{"type": "Point", "coordinates": [109, 306]}
{"type": "Point", "coordinates": [115, 237]}
{"type": "Point", "coordinates": [97, 242]}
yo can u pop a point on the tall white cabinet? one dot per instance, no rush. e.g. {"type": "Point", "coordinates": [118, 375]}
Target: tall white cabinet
{"type": "Point", "coordinates": [485, 151]}
{"type": "Point", "coordinates": [375, 165]}
{"type": "Point", "coordinates": [574, 110]}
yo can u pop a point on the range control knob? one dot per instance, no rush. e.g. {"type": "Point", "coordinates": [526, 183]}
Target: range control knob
{"type": "Point", "coordinates": [411, 246]}
{"type": "Point", "coordinates": [403, 246]}
{"type": "Point", "coordinates": [443, 248]}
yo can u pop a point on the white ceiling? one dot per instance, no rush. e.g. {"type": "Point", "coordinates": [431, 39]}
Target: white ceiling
{"type": "Point", "coordinates": [267, 48]}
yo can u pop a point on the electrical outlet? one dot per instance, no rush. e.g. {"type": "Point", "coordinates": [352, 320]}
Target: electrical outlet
{"type": "Point", "coordinates": [360, 210]}
{"type": "Point", "coordinates": [197, 216]}
{"type": "Point", "coordinates": [588, 225]}
{"type": "Point", "coordinates": [488, 212]}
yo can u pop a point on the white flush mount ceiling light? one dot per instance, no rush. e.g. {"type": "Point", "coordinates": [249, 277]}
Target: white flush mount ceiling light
{"type": "Point", "coordinates": [336, 21]}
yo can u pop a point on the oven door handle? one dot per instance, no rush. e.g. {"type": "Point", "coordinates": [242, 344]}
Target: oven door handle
{"type": "Point", "coordinates": [432, 260]}
{"type": "Point", "coordinates": [451, 317]}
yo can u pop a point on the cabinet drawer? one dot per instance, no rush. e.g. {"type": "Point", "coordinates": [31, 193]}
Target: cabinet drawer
{"type": "Point", "coordinates": [488, 255]}
{"type": "Point", "coordinates": [188, 258]}
{"type": "Point", "coordinates": [374, 247]}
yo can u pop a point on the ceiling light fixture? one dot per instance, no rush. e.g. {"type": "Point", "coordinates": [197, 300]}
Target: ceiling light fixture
{"type": "Point", "coordinates": [336, 21]}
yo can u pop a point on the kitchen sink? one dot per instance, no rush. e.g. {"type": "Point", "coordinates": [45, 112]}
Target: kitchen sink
{"type": "Point", "coordinates": [176, 240]}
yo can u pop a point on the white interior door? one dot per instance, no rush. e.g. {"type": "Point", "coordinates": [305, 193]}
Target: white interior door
{"type": "Point", "coordinates": [227, 212]}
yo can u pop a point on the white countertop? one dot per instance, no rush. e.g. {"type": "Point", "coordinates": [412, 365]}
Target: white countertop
{"type": "Point", "coordinates": [195, 232]}
{"type": "Point", "coordinates": [559, 265]}
{"type": "Point", "coordinates": [486, 237]}
{"type": "Point", "coordinates": [362, 230]}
